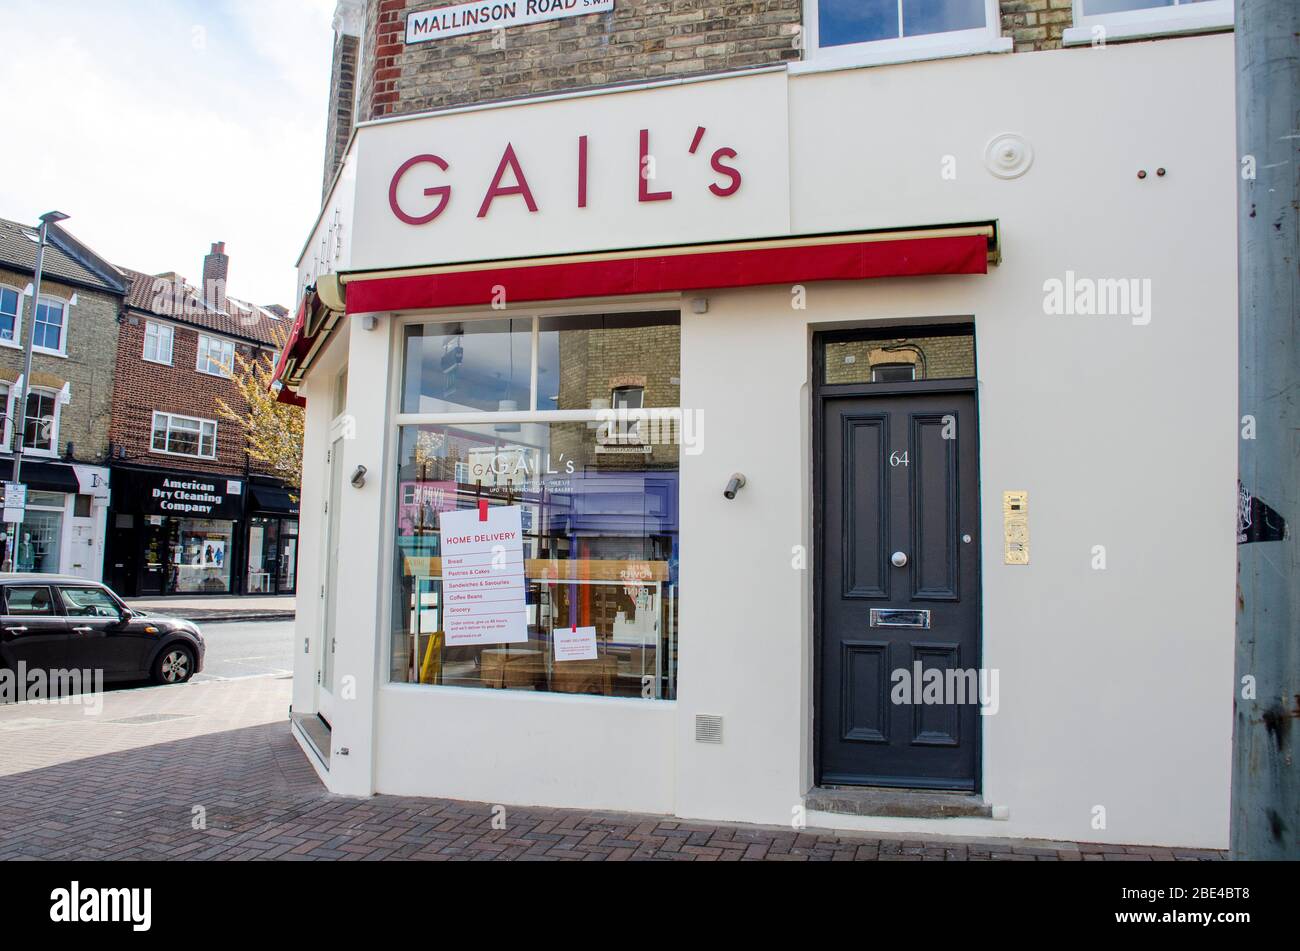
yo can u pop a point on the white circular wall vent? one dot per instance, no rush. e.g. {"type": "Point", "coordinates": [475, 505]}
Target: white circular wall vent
{"type": "Point", "coordinates": [1008, 155]}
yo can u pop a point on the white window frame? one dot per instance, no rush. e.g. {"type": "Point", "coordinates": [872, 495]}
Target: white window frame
{"type": "Point", "coordinates": [62, 351]}
{"type": "Point", "coordinates": [153, 428]}
{"type": "Point", "coordinates": [16, 342]}
{"type": "Point", "coordinates": [159, 327]}
{"type": "Point", "coordinates": [1185, 17]}
{"type": "Point", "coordinates": [905, 49]}
{"type": "Point", "coordinates": [28, 449]}
{"type": "Point", "coordinates": [202, 355]}
{"type": "Point", "coordinates": [7, 431]}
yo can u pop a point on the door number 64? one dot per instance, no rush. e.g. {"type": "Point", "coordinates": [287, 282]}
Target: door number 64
{"type": "Point", "coordinates": [898, 459]}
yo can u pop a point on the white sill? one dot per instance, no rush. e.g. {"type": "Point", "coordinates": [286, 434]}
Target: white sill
{"type": "Point", "coordinates": [161, 363]}
{"type": "Point", "coordinates": [5, 342]}
{"type": "Point", "coordinates": [181, 455]}
{"type": "Point", "coordinates": [219, 376]}
{"type": "Point", "coordinates": [831, 59]}
{"type": "Point", "coordinates": [1196, 22]}
{"type": "Point", "coordinates": [61, 354]}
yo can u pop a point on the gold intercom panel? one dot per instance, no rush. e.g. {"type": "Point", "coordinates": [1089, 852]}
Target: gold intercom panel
{"type": "Point", "coordinates": [1015, 527]}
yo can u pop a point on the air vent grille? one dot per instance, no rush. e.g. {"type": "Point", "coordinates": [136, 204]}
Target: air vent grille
{"type": "Point", "coordinates": [708, 728]}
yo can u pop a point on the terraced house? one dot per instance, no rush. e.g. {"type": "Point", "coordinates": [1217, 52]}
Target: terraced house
{"type": "Point", "coordinates": [64, 409]}
{"type": "Point", "coordinates": [192, 513]}
{"type": "Point", "coordinates": [940, 298]}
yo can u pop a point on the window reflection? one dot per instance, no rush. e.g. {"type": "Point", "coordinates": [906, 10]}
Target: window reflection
{"type": "Point", "coordinates": [469, 365]}
{"type": "Point", "coordinates": [600, 548]}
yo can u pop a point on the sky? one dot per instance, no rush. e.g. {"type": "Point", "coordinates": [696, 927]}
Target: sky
{"type": "Point", "coordinates": [162, 126]}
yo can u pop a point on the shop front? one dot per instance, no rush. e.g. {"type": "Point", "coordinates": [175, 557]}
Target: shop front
{"type": "Point", "coordinates": [272, 543]}
{"type": "Point", "coordinates": [698, 490]}
{"type": "Point", "coordinates": [174, 532]}
{"type": "Point", "coordinates": [63, 524]}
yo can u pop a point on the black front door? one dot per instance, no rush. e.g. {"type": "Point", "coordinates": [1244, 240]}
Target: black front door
{"type": "Point", "coordinates": [899, 624]}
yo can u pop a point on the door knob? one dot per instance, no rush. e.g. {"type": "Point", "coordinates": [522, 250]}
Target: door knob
{"type": "Point", "coordinates": [898, 559]}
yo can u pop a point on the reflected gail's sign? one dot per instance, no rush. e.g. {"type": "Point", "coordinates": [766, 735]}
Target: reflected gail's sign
{"type": "Point", "coordinates": [476, 17]}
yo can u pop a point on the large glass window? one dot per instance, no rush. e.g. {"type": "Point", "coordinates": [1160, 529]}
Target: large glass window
{"type": "Point", "coordinates": [201, 550]}
{"type": "Point", "coordinates": [40, 536]}
{"type": "Point", "coordinates": [474, 365]}
{"type": "Point", "coordinates": [1099, 20]}
{"type": "Point", "coordinates": [598, 514]}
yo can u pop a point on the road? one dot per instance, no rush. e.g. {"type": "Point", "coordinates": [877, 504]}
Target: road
{"type": "Point", "coordinates": [239, 649]}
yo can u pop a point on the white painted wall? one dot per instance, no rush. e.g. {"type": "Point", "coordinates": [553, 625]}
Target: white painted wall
{"type": "Point", "coordinates": [1116, 685]}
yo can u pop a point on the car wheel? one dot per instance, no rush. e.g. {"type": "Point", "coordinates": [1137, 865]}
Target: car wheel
{"type": "Point", "coordinates": [174, 665]}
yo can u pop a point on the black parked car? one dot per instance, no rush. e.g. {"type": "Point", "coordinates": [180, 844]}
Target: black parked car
{"type": "Point", "coordinates": [53, 622]}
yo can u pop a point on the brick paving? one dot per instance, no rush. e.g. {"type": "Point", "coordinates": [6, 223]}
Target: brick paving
{"type": "Point", "coordinates": [127, 784]}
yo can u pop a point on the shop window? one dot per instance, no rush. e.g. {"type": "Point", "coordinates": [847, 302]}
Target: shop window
{"type": "Point", "coordinates": [597, 560]}
{"type": "Point", "coordinates": [7, 406]}
{"type": "Point", "coordinates": [11, 306]}
{"type": "Point", "coordinates": [932, 354]}
{"type": "Point", "coordinates": [216, 357]}
{"type": "Point", "coordinates": [200, 561]}
{"type": "Point", "coordinates": [865, 32]}
{"type": "Point", "coordinates": [158, 342]}
{"type": "Point", "coordinates": [40, 534]}
{"type": "Point", "coordinates": [467, 366]}
{"type": "Point", "coordinates": [1099, 20]}
{"type": "Point", "coordinates": [48, 326]}
{"type": "Point", "coordinates": [41, 425]}
{"type": "Point", "coordinates": [184, 436]}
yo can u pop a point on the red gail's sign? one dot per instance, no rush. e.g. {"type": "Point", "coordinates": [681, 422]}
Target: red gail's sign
{"type": "Point", "coordinates": [463, 18]}
{"type": "Point", "coordinates": [511, 179]}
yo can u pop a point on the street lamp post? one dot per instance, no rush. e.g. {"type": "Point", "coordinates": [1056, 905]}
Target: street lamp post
{"type": "Point", "coordinates": [20, 430]}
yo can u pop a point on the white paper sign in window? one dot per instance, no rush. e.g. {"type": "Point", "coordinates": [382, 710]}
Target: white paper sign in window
{"type": "Point", "coordinates": [483, 576]}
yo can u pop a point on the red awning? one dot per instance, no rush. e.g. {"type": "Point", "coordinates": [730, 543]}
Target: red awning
{"type": "Point", "coordinates": [956, 249]}
{"type": "Point", "coordinates": [740, 264]}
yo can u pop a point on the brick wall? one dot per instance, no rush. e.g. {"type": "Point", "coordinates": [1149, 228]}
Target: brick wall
{"type": "Point", "coordinates": [1036, 24]}
{"type": "Point", "coordinates": [142, 387]}
{"type": "Point", "coordinates": [343, 88]}
{"type": "Point", "coordinates": [636, 41]}
{"type": "Point", "coordinates": [89, 365]}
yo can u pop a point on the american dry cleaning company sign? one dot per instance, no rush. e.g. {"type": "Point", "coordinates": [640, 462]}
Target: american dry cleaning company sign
{"type": "Point", "coordinates": [477, 17]}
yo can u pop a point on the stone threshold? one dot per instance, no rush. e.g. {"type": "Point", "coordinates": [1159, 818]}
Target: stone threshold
{"type": "Point", "coordinates": [317, 734]}
{"type": "Point", "coordinates": [896, 803]}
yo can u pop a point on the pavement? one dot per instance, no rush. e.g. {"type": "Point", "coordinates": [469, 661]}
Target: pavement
{"type": "Point", "coordinates": [220, 607]}
{"type": "Point", "coordinates": [210, 771]}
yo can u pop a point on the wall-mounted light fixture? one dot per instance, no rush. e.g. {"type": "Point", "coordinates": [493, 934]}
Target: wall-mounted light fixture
{"type": "Point", "coordinates": [369, 321]}
{"type": "Point", "coordinates": [359, 477]}
{"type": "Point", "coordinates": [734, 485]}
{"type": "Point", "coordinates": [699, 305]}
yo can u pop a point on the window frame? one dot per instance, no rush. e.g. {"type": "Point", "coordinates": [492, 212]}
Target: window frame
{"type": "Point", "coordinates": [200, 355]}
{"type": "Point", "coordinates": [28, 448]}
{"type": "Point", "coordinates": [17, 340]}
{"type": "Point", "coordinates": [1185, 17]}
{"type": "Point", "coordinates": [902, 49]}
{"type": "Point", "coordinates": [171, 342]}
{"type": "Point", "coordinates": [153, 429]}
{"type": "Point", "coordinates": [65, 305]}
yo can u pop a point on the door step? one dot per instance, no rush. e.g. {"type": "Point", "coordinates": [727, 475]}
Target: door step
{"type": "Point", "coordinates": [316, 732]}
{"type": "Point", "coordinates": [896, 803]}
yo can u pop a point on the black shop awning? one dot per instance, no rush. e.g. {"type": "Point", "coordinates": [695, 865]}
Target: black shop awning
{"type": "Point", "coordinates": [274, 500]}
{"type": "Point", "coordinates": [42, 476]}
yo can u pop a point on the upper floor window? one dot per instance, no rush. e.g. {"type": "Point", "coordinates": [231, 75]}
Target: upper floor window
{"type": "Point", "coordinates": [1096, 21]}
{"type": "Point", "coordinates": [51, 314]}
{"type": "Point", "coordinates": [216, 356]}
{"type": "Point", "coordinates": [158, 342]}
{"type": "Point", "coordinates": [11, 308]}
{"type": "Point", "coordinates": [41, 422]}
{"type": "Point", "coordinates": [867, 32]}
{"type": "Point", "coordinates": [184, 436]}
